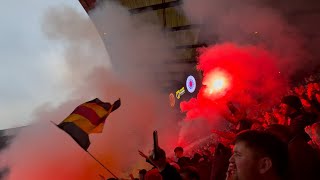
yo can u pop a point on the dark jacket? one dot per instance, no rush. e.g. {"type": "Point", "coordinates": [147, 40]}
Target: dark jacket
{"type": "Point", "coordinates": [304, 162]}
{"type": "Point", "coordinates": [170, 173]}
{"type": "Point", "coordinates": [298, 121]}
{"type": "Point", "coordinates": [184, 161]}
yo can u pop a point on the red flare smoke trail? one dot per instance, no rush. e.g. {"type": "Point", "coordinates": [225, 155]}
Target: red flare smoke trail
{"type": "Point", "coordinates": [246, 75]}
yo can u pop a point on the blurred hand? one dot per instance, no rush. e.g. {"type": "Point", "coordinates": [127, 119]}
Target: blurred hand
{"type": "Point", "coordinates": [231, 173]}
{"type": "Point", "coordinates": [142, 154]}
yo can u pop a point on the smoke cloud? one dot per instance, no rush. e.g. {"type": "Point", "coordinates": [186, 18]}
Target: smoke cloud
{"type": "Point", "coordinates": [5, 141]}
{"type": "Point", "coordinates": [275, 26]}
{"type": "Point", "coordinates": [137, 51]}
{"type": "Point", "coordinates": [249, 73]}
{"type": "Point", "coordinates": [259, 44]}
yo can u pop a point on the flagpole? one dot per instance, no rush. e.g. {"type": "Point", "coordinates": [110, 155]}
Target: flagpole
{"type": "Point", "coordinates": [94, 158]}
{"type": "Point", "coordinates": [102, 165]}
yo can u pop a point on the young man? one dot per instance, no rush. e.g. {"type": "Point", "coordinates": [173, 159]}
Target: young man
{"type": "Point", "coordinates": [181, 159]}
{"type": "Point", "coordinates": [291, 107]}
{"type": "Point", "coordinates": [258, 156]}
{"type": "Point", "coordinates": [167, 171]}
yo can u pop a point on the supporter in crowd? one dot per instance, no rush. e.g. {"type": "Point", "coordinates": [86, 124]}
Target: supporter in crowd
{"type": "Point", "coordinates": [258, 155]}
{"type": "Point", "coordinates": [303, 159]}
{"type": "Point", "coordinates": [275, 148]}
{"type": "Point", "coordinates": [291, 108]}
{"type": "Point", "coordinates": [180, 158]}
{"type": "Point", "coordinates": [142, 173]}
{"type": "Point", "coordinates": [196, 158]}
{"type": "Point", "coordinates": [167, 171]}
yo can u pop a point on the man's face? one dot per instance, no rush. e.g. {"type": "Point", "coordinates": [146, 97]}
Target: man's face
{"type": "Point", "coordinates": [244, 162]}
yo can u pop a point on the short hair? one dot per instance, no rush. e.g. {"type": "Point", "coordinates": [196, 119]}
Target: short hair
{"type": "Point", "coordinates": [143, 171]}
{"type": "Point", "coordinates": [266, 144]}
{"type": "Point", "coordinates": [191, 172]}
{"type": "Point", "coordinates": [178, 149]}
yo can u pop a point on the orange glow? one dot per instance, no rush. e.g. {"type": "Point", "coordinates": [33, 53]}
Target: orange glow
{"type": "Point", "coordinates": [217, 82]}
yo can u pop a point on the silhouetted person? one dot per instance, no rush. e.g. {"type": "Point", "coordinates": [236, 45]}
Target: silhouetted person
{"type": "Point", "coordinates": [142, 173]}
{"type": "Point", "coordinates": [291, 108]}
{"type": "Point", "coordinates": [167, 171]}
{"type": "Point", "coordinates": [195, 159]}
{"type": "Point", "coordinates": [304, 162]}
{"type": "Point", "coordinates": [181, 159]}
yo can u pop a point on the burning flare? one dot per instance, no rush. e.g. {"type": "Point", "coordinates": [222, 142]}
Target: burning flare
{"type": "Point", "coordinates": [217, 82]}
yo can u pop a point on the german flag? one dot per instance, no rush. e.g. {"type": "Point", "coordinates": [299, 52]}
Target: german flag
{"type": "Point", "coordinates": [87, 118]}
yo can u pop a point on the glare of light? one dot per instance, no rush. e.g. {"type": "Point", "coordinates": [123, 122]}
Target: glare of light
{"type": "Point", "coordinates": [217, 82]}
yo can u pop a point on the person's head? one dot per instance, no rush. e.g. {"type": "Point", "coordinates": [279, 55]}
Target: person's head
{"type": "Point", "coordinates": [142, 173]}
{"type": "Point", "coordinates": [259, 155]}
{"type": "Point", "coordinates": [189, 173]}
{"type": "Point", "coordinates": [178, 151]}
{"type": "Point", "coordinates": [290, 104]}
{"type": "Point", "coordinates": [196, 157]}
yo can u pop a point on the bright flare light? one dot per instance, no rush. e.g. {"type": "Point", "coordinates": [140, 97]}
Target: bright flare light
{"type": "Point", "coordinates": [217, 82]}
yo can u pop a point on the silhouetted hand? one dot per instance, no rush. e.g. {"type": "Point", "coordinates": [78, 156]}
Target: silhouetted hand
{"type": "Point", "coordinates": [143, 155]}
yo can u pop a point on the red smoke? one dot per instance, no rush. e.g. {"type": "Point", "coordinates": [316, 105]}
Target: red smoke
{"type": "Point", "coordinates": [246, 75]}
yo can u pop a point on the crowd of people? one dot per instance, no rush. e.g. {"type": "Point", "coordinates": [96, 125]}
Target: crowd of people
{"type": "Point", "coordinates": [282, 144]}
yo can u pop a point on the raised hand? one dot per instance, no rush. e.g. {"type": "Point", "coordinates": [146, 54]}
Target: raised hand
{"type": "Point", "coordinates": [143, 155]}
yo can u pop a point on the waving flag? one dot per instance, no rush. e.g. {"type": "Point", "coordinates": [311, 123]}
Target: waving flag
{"type": "Point", "coordinates": [87, 118]}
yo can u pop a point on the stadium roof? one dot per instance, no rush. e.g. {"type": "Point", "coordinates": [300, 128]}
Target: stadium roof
{"type": "Point", "coordinates": [176, 26]}
{"type": "Point", "coordinates": [186, 35]}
